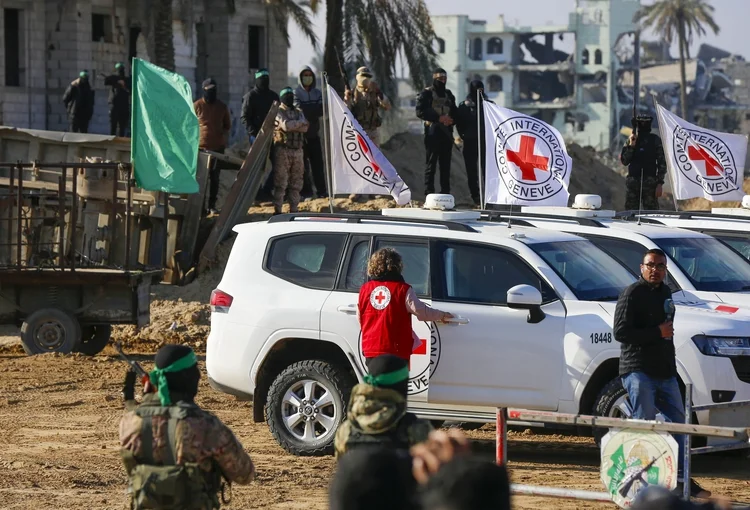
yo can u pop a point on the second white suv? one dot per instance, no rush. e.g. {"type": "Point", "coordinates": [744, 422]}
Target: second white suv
{"type": "Point", "coordinates": [533, 330]}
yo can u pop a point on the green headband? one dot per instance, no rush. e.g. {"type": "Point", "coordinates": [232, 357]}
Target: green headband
{"type": "Point", "coordinates": [119, 65]}
{"type": "Point", "coordinates": [261, 73]}
{"type": "Point", "coordinates": [285, 91]}
{"type": "Point", "coordinates": [389, 378]}
{"type": "Point", "coordinates": [83, 74]}
{"type": "Point", "coordinates": [158, 376]}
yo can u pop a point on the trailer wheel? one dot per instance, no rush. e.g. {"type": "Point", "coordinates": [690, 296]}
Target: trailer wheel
{"type": "Point", "coordinates": [50, 330]}
{"type": "Point", "coordinates": [94, 339]}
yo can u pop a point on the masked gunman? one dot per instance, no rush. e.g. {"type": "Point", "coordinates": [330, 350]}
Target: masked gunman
{"type": "Point", "coordinates": [288, 156]}
{"type": "Point", "coordinates": [119, 100]}
{"type": "Point", "coordinates": [79, 101]}
{"type": "Point", "coordinates": [365, 102]}
{"type": "Point", "coordinates": [175, 453]}
{"type": "Point", "coordinates": [436, 106]}
{"type": "Point", "coordinates": [215, 122]}
{"type": "Point", "coordinates": [644, 157]}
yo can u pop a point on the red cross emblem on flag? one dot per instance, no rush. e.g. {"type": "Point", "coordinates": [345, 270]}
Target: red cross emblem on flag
{"type": "Point", "coordinates": [526, 160]}
{"type": "Point", "coordinates": [698, 153]}
{"type": "Point", "coordinates": [368, 154]}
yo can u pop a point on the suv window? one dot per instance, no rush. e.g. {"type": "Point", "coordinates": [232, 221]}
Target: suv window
{"type": "Point", "coordinates": [309, 260]}
{"type": "Point", "coordinates": [416, 257]}
{"type": "Point", "coordinates": [356, 270]}
{"type": "Point", "coordinates": [628, 253]}
{"type": "Point", "coordinates": [738, 243]}
{"type": "Point", "coordinates": [480, 274]}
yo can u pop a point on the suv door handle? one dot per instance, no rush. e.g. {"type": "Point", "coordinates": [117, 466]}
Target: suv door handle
{"type": "Point", "coordinates": [348, 309]}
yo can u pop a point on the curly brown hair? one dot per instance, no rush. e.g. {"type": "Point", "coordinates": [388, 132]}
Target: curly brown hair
{"type": "Point", "coordinates": [385, 261]}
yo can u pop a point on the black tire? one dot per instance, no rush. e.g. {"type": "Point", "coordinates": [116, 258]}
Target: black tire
{"type": "Point", "coordinates": [94, 339]}
{"type": "Point", "coordinates": [334, 379]}
{"type": "Point", "coordinates": [50, 330]}
{"type": "Point", "coordinates": [604, 405]}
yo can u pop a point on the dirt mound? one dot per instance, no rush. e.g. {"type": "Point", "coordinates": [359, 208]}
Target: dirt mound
{"type": "Point", "coordinates": [701, 204]}
{"type": "Point", "coordinates": [591, 176]}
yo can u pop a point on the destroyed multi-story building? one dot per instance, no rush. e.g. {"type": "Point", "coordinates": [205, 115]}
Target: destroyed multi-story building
{"type": "Point", "coordinates": [45, 43]}
{"type": "Point", "coordinates": [564, 75]}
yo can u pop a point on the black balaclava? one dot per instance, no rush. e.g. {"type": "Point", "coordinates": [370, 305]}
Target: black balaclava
{"type": "Point", "coordinates": [183, 385]}
{"type": "Point", "coordinates": [389, 364]}
{"type": "Point", "coordinates": [473, 87]}
{"type": "Point", "coordinates": [644, 124]}
{"type": "Point", "coordinates": [373, 478]}
{"type": "Point", "coordinates": [437, 84]}
{"type": "Point", "coordinates": [287, 97]}
{"type": "Point", "coordinates": [262, 79]}
{"type": "Point", "coordinates": [209, 90]}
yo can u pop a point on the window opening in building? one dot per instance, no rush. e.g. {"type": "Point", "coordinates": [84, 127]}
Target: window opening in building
{"type": "Point", "coordinates": [256, 47]}
{"type": "Point", "coordinates": [495, 83]}
{"type": "Point", "coordinates": [495, 46]}
{"type": "Point", "coordinates": [585, 57]}
{"type": "Point", "coordinates": [598, 57]}
{"type": "Point", "coordinates": [12, 43]}
{"type": "Point", "coordinates": [101, 28]}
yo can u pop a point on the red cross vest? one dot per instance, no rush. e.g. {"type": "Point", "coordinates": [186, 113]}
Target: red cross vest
{"type": "Point", "coordinates": [385, 321]}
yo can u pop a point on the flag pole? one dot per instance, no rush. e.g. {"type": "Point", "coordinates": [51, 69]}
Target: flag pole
{"type": "Point", "coordinates": [479, 150]}
{"type": "Point", "coordinates": [326, 135]}
{"type": "Point", "coordinates": [672, 180]}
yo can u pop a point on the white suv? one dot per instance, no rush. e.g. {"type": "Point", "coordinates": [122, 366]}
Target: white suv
{"type": "Point", "coordinates": [537, 334]}
{"type": "Point", "coordinates": [731, 226]}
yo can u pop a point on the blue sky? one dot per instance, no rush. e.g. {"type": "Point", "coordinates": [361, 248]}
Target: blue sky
{"type": "Point", "coordinates": [731, 15]}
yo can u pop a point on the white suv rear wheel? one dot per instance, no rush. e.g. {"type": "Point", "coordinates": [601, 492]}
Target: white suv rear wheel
{"type": "Point", "coordinates": [305, 406]}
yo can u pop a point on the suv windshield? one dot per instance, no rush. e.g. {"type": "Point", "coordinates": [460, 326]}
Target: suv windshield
{"type": "Point", "coordinates": [709, 264]}
{"type": "Point", "coordinates": [590, 273]}
{"type": "Point", "coordinates": [741, 244]}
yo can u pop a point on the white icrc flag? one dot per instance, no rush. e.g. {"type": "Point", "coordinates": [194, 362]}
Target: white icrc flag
{"type": "Point", "coordinates": [702, 163]}
{"type": "Point", "coordinates": [527, 162]}
{"type": "Point", "coordinates": [358, 165]}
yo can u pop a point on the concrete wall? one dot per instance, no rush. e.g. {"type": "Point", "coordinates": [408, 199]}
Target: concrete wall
{"type": "Point", "coordinates": [56, 44]}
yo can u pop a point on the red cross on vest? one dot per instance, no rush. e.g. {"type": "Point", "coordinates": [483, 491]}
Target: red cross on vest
{"type": "Point", "coordinates": [380, 297]}
{"type": "Point", "coordinates": [698, 153]}
{"type": "Point", "coordinates": [526, 160]}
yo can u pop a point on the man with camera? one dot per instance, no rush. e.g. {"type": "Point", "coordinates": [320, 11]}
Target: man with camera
{"type": "Point", "coordinates": [644, 157]}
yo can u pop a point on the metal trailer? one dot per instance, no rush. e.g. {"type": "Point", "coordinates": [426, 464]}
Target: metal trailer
{"type": "Point", "coordinates": [61, 288]}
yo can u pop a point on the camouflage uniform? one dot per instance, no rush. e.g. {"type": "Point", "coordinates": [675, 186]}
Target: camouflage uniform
{"type": "Point", "coordinates": [365, 104]}
{"type": "Point", "coordinates": [378, 416]}
{"type": "Point", "coordinates": [645, 159]}
{"type": "Point", "coordinates": [199, 438]}
{"type": "Point", "coordinates": [288, 156]}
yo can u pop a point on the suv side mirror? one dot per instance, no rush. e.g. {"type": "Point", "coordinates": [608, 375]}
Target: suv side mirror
{"type": "Point", "coordinates": [526, 297]}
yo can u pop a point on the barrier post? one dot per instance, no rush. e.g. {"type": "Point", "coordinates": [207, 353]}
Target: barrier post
{"type": "Point", "coordinates": [686, 471]}
{"type": "Point", "coordinates": [501, 436]}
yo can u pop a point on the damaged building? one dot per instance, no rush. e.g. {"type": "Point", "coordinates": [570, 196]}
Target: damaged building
{"type": "Point", "coordinates": [45, 43]}
{"type": "Point", "coordinates": [564, 75]}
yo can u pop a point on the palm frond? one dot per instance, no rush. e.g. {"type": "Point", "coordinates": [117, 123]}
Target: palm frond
{"type": "Point", "coordinates": [299, 12]}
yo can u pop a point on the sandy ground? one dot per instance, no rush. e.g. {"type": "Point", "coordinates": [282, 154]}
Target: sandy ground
{"type": "Point", "coordinates": [59, 448]}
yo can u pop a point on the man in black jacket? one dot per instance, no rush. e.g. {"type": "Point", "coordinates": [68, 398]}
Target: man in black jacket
{"type": "Point", "coordinates": [643, 325]}
{"type": "Point", "coordinates": [79, 101]}
{"type": "Point", "coordinates": [436, 106]}
{"type": "Point", "coordinates": [466, 125]}
{"type": "Point", "coordinates": [255, 106]}
{"type": "Point", "coordinates": [119, 100]}
{"type": "Point", "coordinates": [644, 157]}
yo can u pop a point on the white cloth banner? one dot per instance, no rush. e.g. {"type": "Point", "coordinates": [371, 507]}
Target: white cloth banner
{"type": "Point", "coordinates": [358, 165]}
{"type": "Point", "coordinates": [702, 163]}
{"type": "Point", "coordinates": [527, 162]}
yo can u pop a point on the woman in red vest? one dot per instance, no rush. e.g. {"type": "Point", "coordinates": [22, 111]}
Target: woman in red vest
{"type": "Point", "coordinates": [386, 304]}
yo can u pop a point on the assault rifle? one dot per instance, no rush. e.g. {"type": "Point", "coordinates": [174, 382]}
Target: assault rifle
{"type": "Point", "coordinates": [142, 374]}
{"type": "Point", "coordinates": [637, 476]}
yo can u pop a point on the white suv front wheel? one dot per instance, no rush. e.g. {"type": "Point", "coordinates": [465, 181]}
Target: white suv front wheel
{"type": "Point", "coordinates": [611, 402]}
{"type": "Point", "coordinates": [305, 406]}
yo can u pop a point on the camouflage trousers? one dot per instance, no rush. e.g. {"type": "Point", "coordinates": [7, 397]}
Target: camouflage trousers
{"type": "Point", "coordinates": [288, 177]}
{"type": "Point", "coordinates": [633, 192]}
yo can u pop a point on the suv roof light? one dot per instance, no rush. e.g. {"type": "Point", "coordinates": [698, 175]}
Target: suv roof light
{"type": "Point", "coordinates": [376, 216]}
{"type": "Point", "coordinates": [439, 201]}
{"type": "Point", "coordinates": [588, 202]}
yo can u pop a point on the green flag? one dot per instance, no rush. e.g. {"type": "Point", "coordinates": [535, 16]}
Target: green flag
{"type": "Point", "coordinates": [165, 133]}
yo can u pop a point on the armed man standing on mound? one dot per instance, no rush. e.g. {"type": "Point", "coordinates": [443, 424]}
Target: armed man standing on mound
{"type": "Point", "coordinates": [436, 106]}
{"type": "Point", "coordinates": [175, 453]}
{"type": "Point", "coordinates": [644, 157]}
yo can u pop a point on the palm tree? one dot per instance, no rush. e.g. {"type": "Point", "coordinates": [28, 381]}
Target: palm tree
{"type": "Point", "coordinates": [376, 32]}
{"type": "Point", "coordinates": [683, 19]}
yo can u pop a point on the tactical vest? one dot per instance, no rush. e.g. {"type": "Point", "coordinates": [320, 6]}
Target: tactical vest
{"type": "Point", "coordinates": [289, 139]}
{"type": "Point", "coordinates": [365, 108]}
{"type": "Point", "coordinates": [168, 486]}
{"type": "Point", "coordinates": [397, 437]}
{"type": "Point", "coordinates": [442, 106]}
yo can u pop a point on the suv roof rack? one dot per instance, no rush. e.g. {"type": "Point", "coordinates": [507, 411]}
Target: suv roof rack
{"type": "Point", "coordinates": [497, 215]}
{"type": "Point", "coordinates": [372, 216]}
{"type": "Point", "coordinates": [682, 215]}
